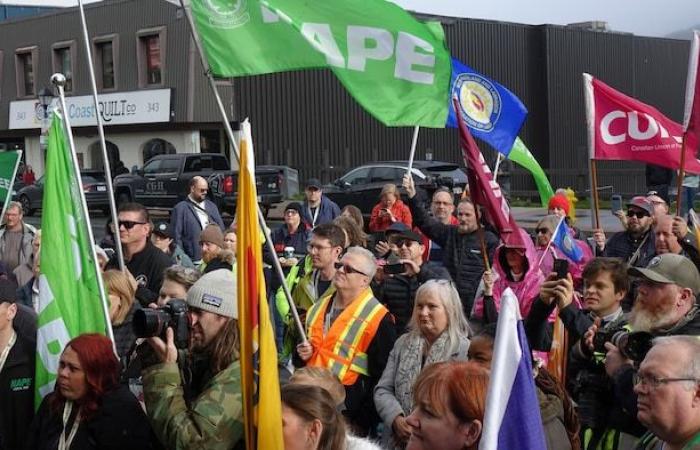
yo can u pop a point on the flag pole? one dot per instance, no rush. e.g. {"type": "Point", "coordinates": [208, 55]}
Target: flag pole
{"type": "Point", "coordinates": [590, 121]}
{"type": "Point", "coordinates": [681, 175]}
{"type": "Point", "coordinates": [594, 194]}
{"type": "Point", "coordinates": [59, 80]}
{"type": "Point", "coordinates": [229, 133]}
{"type": "Point", "coordinates": [103, 144]}
{"type": "Point", "coordinates": [412, 154]}
{"type": "Point", "coordinates": [549, 244]}
{"type": "Point", "coordinates": [9, 189]}
{"type": "Point", "coordinates": [499, 158]}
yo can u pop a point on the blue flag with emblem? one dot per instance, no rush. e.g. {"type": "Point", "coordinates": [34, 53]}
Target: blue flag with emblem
{"type": "Point", "coordinates": [563, 240]}
{"type": "Point", "coordinates": [492, 113]}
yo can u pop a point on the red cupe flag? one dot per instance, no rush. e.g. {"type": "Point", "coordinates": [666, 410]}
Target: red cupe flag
{"type": "Point", "coordinates": [622, 128]}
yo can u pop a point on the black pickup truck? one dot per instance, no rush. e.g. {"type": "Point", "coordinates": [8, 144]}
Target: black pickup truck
{"type": "Point", "coordinates": [273, 183]}
{"type": "Point", "coordinates": [164, 179]}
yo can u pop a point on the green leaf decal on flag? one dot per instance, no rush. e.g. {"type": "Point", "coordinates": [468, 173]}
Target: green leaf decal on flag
{"type": "Point", "coordinates": [70, 301]}
{"type": "Point", "coordinates": [396, 67]}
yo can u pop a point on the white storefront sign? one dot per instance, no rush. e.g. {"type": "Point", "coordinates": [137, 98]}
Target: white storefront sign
{"type": "Point", "coordinates": [121, 108]}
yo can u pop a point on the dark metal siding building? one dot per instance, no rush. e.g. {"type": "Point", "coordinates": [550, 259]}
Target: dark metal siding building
{"type": "Point", "coordinates": [307, 120]}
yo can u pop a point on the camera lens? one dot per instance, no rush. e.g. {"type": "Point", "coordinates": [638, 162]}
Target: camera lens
{"type": "Point", "coordinates": [149, 322]}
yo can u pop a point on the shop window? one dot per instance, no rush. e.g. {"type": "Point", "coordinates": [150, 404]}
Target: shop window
{"type": "Point", "coordinates": [157, 147]}
{"type": "Point", "coordinates": [25, 67]}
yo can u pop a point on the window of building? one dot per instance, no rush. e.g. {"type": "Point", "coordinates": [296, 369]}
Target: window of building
{"type": "Point", "coordinates": [63, 59]}
{"type": "Point", "coordinates": [157, 147]}
{"type": "Point", "coordinates": [25, 67]}
{"type": "Point", "coordinates": [106, 50]}
{"type": "Point", "coordinates": [151, 56]}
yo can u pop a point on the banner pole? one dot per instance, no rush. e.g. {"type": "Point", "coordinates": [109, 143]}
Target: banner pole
{"type": "Point", "coordinates": [10, 188]}
{"type": "Point", "coordinates": [412, 154]}
{"type": "Point", "coordinates": [594, 194]}
{"type": "Point", "coordinates": [103, 143]}
{"type": "Point", "coordinates": [681, 175]}
{"type": "Point", "coordinates": [499, 158]}
{"type": "Point", "coordinates": [236, 152]}
{"type": "Point", "coordinates": [59, 81]}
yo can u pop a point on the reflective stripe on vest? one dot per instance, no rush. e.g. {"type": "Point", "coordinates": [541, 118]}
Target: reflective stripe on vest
{"type": "Point", "coordinates": [343, 349]}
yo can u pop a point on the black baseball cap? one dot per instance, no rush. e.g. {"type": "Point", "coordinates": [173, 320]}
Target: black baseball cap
{"type": "Point", "coordinates": [313, 183]}
{"type": "Point", "coordinates": [163, 229]}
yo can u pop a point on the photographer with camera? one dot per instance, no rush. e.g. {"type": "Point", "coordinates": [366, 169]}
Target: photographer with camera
{"type": "Point", "coordinates": [195, 401]}
{"type": "Point", "coordinates": [606, 283]}
{"type": "Point", "coordinates": [404, 273]}
{"type": "Point", "coordinates": [665, 306]}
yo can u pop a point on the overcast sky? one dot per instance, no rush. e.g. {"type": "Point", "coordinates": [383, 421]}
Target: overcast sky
{"type": "Point", "coordinates": [641, 17]}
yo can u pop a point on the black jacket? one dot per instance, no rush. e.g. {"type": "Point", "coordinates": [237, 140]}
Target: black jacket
{"type": "Point", "coordinates": [461, 253]}
{"type": "Point", "coordinates": [17, 394]}
{"type": "Point", "coordinates": [147, 266]}
{"type": "Point", "coordinates": [124, 336]}
{"type": "Point", "coordinates": [118, 424]}
{"type": "Point", "coordinates": [622, 245]}
{"type": "Point", "coordinates": [398, 292]}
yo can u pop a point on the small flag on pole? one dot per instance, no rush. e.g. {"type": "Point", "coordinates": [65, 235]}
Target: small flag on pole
{"type": "Point", "coordinates": [561, 238]}
{"type": "Point", "coordinates": [9, 161]}
{"type": "Point", "coordinates": [512, 418]}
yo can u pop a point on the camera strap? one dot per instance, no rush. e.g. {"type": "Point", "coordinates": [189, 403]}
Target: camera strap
{"type": "Point", "coordinates": [65, 442]}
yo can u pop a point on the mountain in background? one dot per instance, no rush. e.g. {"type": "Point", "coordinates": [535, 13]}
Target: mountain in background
{"type": "Point", "coordinates": [686, 34]}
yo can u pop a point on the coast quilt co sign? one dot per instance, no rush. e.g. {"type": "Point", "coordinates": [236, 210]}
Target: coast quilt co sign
{"type": "Point", "coordinates": [121, 108]}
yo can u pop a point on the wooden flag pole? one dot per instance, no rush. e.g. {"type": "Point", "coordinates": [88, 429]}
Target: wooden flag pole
{"type": "Point", "coordinates": [681, 175]}
{"type": "Point", "coordinates": [594, 194]}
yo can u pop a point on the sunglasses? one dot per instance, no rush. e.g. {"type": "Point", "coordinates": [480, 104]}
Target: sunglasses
{"type": "Point", "coordinates": [541, 230]}
{"type": "Point", "coordinates": [347, 269]}
{"type": "Point", "coordinates": [638, 214]}
{"type": "Point", "coordinates": [403, 243]}
{"type": "Point", "coordinates": [129, 224]}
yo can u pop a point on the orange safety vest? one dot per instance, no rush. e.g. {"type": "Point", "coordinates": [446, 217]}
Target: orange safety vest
{"type": "Point", "coordinates": [343, 350]}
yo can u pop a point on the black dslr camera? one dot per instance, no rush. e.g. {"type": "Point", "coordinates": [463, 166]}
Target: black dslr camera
{"type": "Point", "coordinates": [633, 345]}
{"type": "Point", "coordinates": [149, 322]}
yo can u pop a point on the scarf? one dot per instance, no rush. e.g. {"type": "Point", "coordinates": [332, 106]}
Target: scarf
{"type": "Point", "coordinates": [411, 364]}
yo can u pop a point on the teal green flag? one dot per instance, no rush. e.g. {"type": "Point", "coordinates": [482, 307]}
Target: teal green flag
{"type": "Point", "coordinates": [8, 171]}
{"type": "Point", "coordinates": [70, 300]}
{"type": "Point", "coordinates": [396, 67]}
{"type": "Point", "coordinates": [521, 155]}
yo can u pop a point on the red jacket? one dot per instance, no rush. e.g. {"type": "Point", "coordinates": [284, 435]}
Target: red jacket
{"type": "Point", "coordinates": [380, 223]}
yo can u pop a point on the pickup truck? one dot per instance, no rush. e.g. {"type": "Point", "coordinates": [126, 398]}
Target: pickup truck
{"type": "Point", "coordinates": [274, 184]}
{"type": "Point", "coordinates": [164, 179]}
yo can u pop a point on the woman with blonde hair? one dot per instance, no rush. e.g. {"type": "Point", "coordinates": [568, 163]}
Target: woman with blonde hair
{"type": "Point", "coordinates": [121, 288]}
{"type": "Point", "coordinates": [389, 210]}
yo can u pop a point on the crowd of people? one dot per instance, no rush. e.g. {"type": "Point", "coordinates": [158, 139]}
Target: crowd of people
{"type": "Point", "coordinates": [399, 320]}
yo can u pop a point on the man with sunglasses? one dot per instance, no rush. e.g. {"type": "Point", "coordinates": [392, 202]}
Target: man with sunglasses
{"type": "Point", "coordinates": [351, 334]}
{"type": "Point", "coordinates": [192, 215]}
{"type": "Point", "coordinates": [635, 244]}
{"type": "Point", "coordinates": [667, 385]}
{"type": "Point", "coordinates": [397, 291]}
{"type": "Point", "coordinates": [143, 259]}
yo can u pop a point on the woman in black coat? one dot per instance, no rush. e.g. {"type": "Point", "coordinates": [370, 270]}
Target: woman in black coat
{"type": "Point", "coordinates": [89, 409]}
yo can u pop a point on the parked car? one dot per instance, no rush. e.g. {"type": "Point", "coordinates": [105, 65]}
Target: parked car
{"type": "Point", "coordinates": [361, 186]}
{"type": "Point", "coordinates": [273, 183]}
{"type": "Point", "coordinates": [164, 179]}
{"type": "Point", "coordinates": [94, 187]}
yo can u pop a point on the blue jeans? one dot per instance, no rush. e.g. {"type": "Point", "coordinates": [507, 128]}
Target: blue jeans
{"type": "Point", "coordinates": [688, 196]}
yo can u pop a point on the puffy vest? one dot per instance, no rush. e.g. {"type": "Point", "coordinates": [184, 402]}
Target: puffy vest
{"type": "Point", "coordinates": [343, 350]}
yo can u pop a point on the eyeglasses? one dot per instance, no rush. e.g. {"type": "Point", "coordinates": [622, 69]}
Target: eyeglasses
{"type": "Point", "coordinates": [541, 230]}
{"type": "Point", "coordinates": [638, 214]}
{"type": "Point", "coordinates": [129, 224]}
{"type": "Point", "coordinates": [291, 212]}
{"type": "Point", "coordinates": [653, 382]}
{"type": "Point", "coordinates": [316, 248]}
{"type": "Point", "coordinates": [348, 269]}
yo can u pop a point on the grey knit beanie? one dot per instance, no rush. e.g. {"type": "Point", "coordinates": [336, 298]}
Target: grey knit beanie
{"type": "Point", "coordinates": [215, 292]}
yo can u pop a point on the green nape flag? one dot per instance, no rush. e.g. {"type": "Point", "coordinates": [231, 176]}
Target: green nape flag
{"type": "Point", "coordinates": [8, 168]}
{"type": "Point", "coordinates": [70, 302]}
{"type": "Point", "coordinates": [396, 67]}
{"type": "Point", "coordinates": [521, 155]}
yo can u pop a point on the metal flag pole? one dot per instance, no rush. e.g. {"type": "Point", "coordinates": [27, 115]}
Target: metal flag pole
{"type": "Point", "coordinates": [9, 189]}
{"type": "Point", "coordinates": [229, 133]}
{"type": "Point", "coordinates": [412, 154]}
{"type": "Point", "coordinates": [496, 166]}
{"type": "Point", "coordinates": [103, 144]}
{"type": "Point", "coordinates": [59, 81]}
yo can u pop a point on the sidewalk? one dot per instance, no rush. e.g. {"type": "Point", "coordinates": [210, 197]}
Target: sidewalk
{"type": "Point", "coordinates": [527, 217]}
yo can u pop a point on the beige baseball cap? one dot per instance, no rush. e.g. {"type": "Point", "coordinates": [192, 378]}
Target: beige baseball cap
{"type": "Point", "coordinates": [670, 268]}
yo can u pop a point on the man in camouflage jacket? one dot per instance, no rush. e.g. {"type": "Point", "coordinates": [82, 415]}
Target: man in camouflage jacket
{"type": "Point", "coordinates": [203, 411]}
